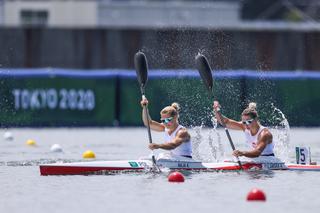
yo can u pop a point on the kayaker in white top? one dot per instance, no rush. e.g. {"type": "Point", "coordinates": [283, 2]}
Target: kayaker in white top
{"type": "Point", "coordinates": [257, 136]}
{"type": "Point", "coordinates": [177, 138]}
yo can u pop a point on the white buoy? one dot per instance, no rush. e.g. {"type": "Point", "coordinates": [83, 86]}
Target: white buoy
{"type": "Point", "coordinates": [56, 148]}
{"type": "Point", "coordinates": [8, 136]}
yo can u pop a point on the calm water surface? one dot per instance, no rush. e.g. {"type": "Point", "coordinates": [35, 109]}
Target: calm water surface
{"type": "Point", "coordinates": [24, 190]}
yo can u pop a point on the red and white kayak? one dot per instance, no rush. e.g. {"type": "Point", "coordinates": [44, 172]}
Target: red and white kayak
{"type": "Point", "coordinates": [101, 167]}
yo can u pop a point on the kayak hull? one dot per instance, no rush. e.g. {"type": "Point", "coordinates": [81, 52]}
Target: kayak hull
{"type": "Point", "coordinates": [96, 167]}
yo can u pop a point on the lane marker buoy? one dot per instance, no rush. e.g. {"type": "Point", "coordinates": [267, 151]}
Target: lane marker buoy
{"type": "Point", "coordinates": [88, 154]}
{"type": "Point", "coordinates": [8, 136]}
{"type": "Point", "coordinates": [56, 148]}
{"type": "Point", "coordinates": [176, 177]}
{"type": "Point", "coordinates": [31, 142]}
{"type": "Point", "coordinates": [256, 195]}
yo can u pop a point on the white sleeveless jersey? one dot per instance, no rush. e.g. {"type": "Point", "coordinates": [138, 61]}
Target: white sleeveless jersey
{"type": "Point", "coordinates": [184, 149]}
{"type": "Point", "coordinates": [252, 141]}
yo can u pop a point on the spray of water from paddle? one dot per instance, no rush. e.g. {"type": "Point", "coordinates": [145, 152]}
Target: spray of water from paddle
{"type": "Point", "coordinates": [219, 144]}
{"type": "Point", "coordinates": [206, 143]}
{"type": "Point", "coordinates": [281, 134]}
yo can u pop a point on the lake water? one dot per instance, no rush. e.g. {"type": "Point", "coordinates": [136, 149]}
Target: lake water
{"type": "Point", "coordinates": [24, 190]}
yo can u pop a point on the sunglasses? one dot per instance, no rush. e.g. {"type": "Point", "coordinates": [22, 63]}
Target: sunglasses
{"type": "Point", "coordinates": [247, 122]}
{"type": "Point", "coordinates": [166, 120]}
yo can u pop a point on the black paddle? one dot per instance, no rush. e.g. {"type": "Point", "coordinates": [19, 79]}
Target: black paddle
{"type": "Point", "coordinates": [206, 75]}
{"type": "Point", "coordinates": [141, 66]}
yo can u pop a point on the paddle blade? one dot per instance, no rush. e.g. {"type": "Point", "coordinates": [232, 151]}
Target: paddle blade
{"type": "Point", "coordinates": [204, 70]}
{"type": "Point", "coordinates": [141, 66]}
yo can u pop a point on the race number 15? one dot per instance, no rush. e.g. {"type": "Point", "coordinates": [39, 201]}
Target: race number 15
{"type": "Point", "coordinates": [303, 155]}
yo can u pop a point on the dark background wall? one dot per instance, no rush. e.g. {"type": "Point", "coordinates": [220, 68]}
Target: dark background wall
{"type": "Point", "coordinates": [165, 48]}
{"type": "Point", "coordinates": [90, 49]}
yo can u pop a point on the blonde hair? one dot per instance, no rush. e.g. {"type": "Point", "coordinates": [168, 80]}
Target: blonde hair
{"type": "Point", "coordinates": [251, 110]}
{"type": "Point", "coordinates": [172, 110]}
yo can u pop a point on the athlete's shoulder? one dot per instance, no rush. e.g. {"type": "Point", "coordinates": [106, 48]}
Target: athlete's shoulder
{"type": "Point", "coordinates": [183, 132]}
{"type": "Point", "coordinates": [266, 135]}
{"type": "Point", "coordinates": [265, 131]}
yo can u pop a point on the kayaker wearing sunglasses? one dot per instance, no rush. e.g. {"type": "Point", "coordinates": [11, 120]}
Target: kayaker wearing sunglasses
{"type": "Point", "coordinates": [258, 137]}
{"type": "Point", "coordinates": [176, 137]}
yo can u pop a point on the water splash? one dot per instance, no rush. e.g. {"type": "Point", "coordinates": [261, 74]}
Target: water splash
{"type": "Point", "coordinates": [219, 146]}
{"type": "Point", "coordinates": [196, 141]}
{"type": "Point", "coordinates": [281, 134]}
{"type": "Point", "coordinates": [206, 145]}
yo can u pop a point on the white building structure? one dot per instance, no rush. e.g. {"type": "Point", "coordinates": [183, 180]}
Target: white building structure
{"type": "Point", "coordinates": [50, 13]}
{"type": "Point", "coordinates": [119, 13]}
{"type": "Point", "coordinates": [213, 14]}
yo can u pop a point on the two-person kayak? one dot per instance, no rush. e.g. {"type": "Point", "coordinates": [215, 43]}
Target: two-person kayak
{"type": "Point", "coordinates": [104, 167]}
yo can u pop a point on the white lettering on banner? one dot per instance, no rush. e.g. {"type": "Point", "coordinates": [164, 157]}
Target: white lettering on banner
{"type": "Point", "coordinates": [43, 96]}
{"type": "Point", "coordinates": [16, 94]}
{"type": "Point", "coordinates": [63, 99]}
{"type": "Point", "coordinates": [81, 100]}
{"type": "Point", "coordinates": [25, 99]}
{"type": "Point", "coordinates": [52, 99]}
{"type": "Point", "coordinates": [72, 99]}
{"type": "Point", "coordinates": [34, 101]}
{"type": "Point", "coordinates": [90, 100]}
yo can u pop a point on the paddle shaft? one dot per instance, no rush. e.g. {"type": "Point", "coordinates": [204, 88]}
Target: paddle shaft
{"type": "Point", "coordinates": [228, 135]}
{"type": "Point", "coordinates": [148, 125]}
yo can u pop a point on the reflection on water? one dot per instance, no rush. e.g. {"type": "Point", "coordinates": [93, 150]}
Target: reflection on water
{"type": "Point", "coordinates": [260, 174]}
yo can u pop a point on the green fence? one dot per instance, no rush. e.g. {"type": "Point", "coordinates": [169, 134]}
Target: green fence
{"type": "Point", "coordinates": [110, 98]}
{"type": "Point", "coordinates": [298, 99]}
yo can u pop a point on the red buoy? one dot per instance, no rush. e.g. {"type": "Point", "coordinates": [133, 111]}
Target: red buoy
{"type": "Point", "coordinates": [176, 177]}
{"type": "Point", "coordinates": [256, 195]}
